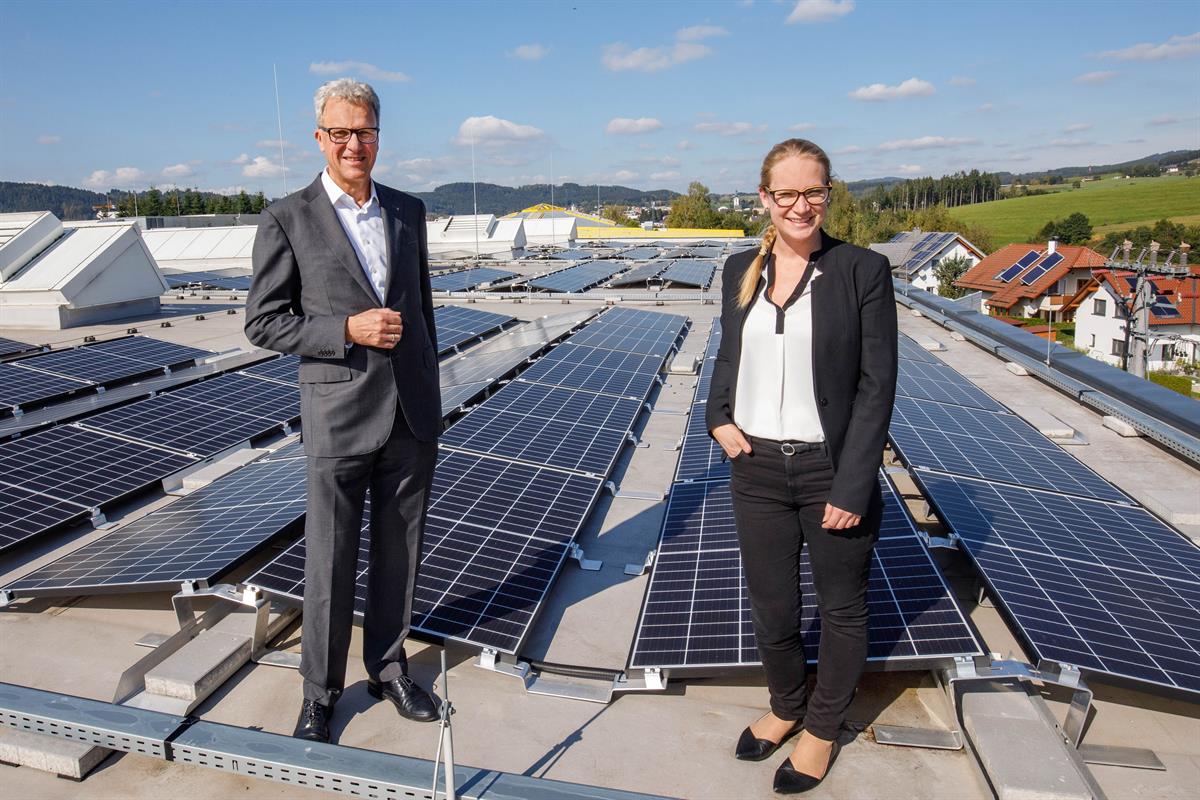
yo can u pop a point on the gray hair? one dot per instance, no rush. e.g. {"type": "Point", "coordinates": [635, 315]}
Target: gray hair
{"type": "Point", "coordinates": [349, 90]}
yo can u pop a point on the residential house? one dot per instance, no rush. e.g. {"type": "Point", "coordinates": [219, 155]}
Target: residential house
{"type": "Point", "coordinates": [915, 255]}
{"type": "Point", "coordinates": [1031, 280]}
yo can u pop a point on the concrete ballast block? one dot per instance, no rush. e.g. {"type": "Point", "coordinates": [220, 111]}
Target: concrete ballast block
{"type": "Point", "coordinates": [1023, 756]}
{"type": "Point", "coordinates": [958, 337]}
{"type": "Point", "coordinates": [1120, 426]}
{"type": "Point", "coordinates": [1016, 369]}
{"type": "Point", "coordinates": [932, 345]}
{"type": "Point", "coordinates": [1047, 424]}
{"type": "Point", "coordinates": [53, 754]}
{"type": "Point", "coordinates": [915, 312]}
{"type": "Point", "coordinates": [200, 666]}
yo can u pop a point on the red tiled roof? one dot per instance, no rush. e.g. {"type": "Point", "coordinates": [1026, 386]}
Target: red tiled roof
{"type": "Point", "coordinates": [1005, 295]}
{"type": "Point", "coordinates": [1183, 292]}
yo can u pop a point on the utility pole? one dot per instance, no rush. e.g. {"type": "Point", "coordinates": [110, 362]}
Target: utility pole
{"type": "Point", "coordinates": [1143, 296]}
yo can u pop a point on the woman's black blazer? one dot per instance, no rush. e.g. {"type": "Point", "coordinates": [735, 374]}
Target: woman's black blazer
{"type": "Point", "coordinates": [854, 360]}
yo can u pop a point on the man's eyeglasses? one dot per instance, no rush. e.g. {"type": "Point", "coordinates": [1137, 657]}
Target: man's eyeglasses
{"type": "Point", "coordinates": [786, 198]}
{"type": "Point", "coordinates": [342, 135]}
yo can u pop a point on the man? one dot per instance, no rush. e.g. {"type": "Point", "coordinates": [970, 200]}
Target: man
{"type": "Point", "coordinates": [341, 278]}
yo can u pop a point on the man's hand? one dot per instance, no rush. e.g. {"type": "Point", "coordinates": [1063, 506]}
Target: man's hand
{"type": "Point", "coordinates": [376, 327]}
{"type": "Point", "coordinates": [731, 439]}
{"type": "Point", "coordinates": [838, 520]}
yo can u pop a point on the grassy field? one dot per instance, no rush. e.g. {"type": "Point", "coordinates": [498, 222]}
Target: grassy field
{"type": "Point", "coordinates": [1123, 203]}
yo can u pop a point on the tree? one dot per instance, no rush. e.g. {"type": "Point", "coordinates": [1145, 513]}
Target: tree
{"type": "Point", "coordinates": [841, 218]}
{"type": "Point", "coordinates": [1075, 229]}
{"type": "Point", "coordinates": [615, 214]}
{"type": "Point", "coordinates": [151, 203]}
{"type": "Point", "coordinates": [947, 272]}
{"type": "Point", "coordinates": [258, 203]}
{"type": "Point", "coordinates": [693, 210]}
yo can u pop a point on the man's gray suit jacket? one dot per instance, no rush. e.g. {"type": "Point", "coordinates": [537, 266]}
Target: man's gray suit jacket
{"type": "Point", "coordinates": [307, 281]}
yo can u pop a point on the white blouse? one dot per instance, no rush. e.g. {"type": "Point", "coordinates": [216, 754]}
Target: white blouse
{"type": "Point", "coordinates": [776, 398]}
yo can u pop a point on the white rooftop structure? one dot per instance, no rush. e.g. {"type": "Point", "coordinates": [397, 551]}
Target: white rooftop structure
{"type": "Point", "coordinates": [550, 230]}
{"type": "Point", "coordinates": [470, 234]}
{"type": "Point", "coordinates": [197, 249]}
{"type": "Point", "coordinates": [55, 278]}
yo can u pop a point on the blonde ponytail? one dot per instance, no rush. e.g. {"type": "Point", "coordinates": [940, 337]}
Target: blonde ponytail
{"type": "Point", "coordinates": [749, 285]}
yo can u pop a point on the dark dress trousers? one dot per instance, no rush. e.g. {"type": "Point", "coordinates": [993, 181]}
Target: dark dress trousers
{"type": "Point", "coordinates": [779, 498]}
{"type": "Point", "coordinates": [370, 416]}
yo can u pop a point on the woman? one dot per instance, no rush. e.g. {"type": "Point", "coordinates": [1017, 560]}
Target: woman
{"type": "Point", "coordinates": [801, 396]}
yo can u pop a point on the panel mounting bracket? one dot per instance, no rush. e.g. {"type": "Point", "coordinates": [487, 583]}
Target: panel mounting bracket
{"type": "Point", "coordinates": [640, 569]}
{"type": "Point", "coordinates": [651, 679]}
{"type": "Point", "coordinates": [588, 564]}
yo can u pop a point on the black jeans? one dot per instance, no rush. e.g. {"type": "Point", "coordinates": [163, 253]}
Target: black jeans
{"type": "Point", "coordinates": [778, 503]}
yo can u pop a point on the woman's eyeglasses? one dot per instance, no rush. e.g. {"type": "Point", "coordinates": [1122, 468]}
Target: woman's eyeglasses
{"type": "Point", "coordinates": [813, 195]}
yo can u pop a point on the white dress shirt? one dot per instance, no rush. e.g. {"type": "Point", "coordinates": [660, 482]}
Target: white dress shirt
{"type": "Point", "coordinates": [364, 228]}
{"type": "Point", "coordinates": [776, 398]}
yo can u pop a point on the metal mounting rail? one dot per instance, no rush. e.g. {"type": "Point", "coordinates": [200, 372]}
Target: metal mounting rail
{"type": "Point", "coordinates": [314, 765]}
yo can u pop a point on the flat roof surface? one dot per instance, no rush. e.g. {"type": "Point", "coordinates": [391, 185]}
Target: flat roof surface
{"type": "Point", "coordinates": [678, 742]}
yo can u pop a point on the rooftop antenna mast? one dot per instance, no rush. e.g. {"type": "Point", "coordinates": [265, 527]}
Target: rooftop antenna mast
{"type": "Point", "coordinates": [279, 123]}
{"type": "Point", "coordinates": [474, 200]}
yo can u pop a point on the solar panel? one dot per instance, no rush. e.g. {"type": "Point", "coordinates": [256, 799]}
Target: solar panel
{"type": "Point", "coordinates": [23, 386]}
{"type": "Point", "coordinates": [548, 425]}
{"type": "Point", "coordinates": [997, 447]}
{"type": "Point", "coordinates": [150, 351]}
{"type": "Point", "coordinates": [579, 277]}
{"type": "Point", "coordinates": [605, 371]}
{"type": "Point", "coordinates": [700, 457]}
{"type": "Point", "coordinates": [1019, 267]}
{"type": "Point", "coordinates": [244, 394]}
{"type": "Point", "coordinates": [627, 339]}
{"type": "Point", "coordinates": [637, 318]}
{"type": "Point", "coordinates": [199, 537]}
{"type": "Point", "coordinates": [1107, 588]}
{"type": "Point", "coordinates": [912, 351]}
{"type": "Point", "coordinates": [571, 255]}
{"type": "Point", "coordinates": [9, 347]}
{"type": "Point", "coordinates": [466, 279]}
{"type": "Point", "coordinates": [1163, 307]}
{"type": "Point", "coordinates": [455, 397]}
{"type": "Point", "coordinates": [284, 369]}
{"type": "Point", "coordinates": [696, 614]}
{"type": "Point", "coordinates": [84, 467]}
{"type": "Point", "coordinates": [638, 253]}
{"type": "Point", "coordinates": [640, 274]}
{"type": "Point", "coordinates": [1041, 269]}
{"type": "Point", "coordinates": [88, 364]}
{"type": "Point", "coordinates": [24, 513]}
{"type": "Point", "coordinates": [497, 534]}
{"type": "Point", "coordinates": [941, 384]}
{"type": "Point", "coordinates": [696, 273]}
{"type": "Point", "coordinates": [457, 325]}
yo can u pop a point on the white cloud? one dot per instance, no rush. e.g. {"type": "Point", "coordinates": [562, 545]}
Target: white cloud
{"type": "Point", "coordinates": [819, 10]}
{"type": "Point", "coordinates": [362, 68]}
{"type": "Point", "coordinates": [1175, 47]}
{"type": "Point", "coordinates": [913, 87]}
{"type": "Point", "coordinates": [244, 158]}
{"type": "Point", "coordinates": [1069, 143]}
{"type": "Point", "coordinates": [684, 144]}
{"type": "Point", "coordinates": [624, 175]}
{"type": "Point", "coordinates": [669, 175]}
{"type": "Point", "coordinates": [1102, 76]}
{"type": "Point", "coordinates": [1165, 119]}
{"type": "Point", "coordinates": [262, 167]}
{"type": "Point", "coordinates": [236, 189]}
{"type": "Point", "coordinates": [801, 127]}
{"type": "Point", "coordinates": [847, 150]}
{"type": "Point", "coordinates": [728, 128]}
{"type": "Point", "coordinates": [120, 177]}
{"type": "Point", "coordinates": [618, 57]}
{"type": "Point", "coordinates": [925, 143]}
{"type": "Point", "coordinates": [178, 171]}
{"type": "Point", "coordinates": [423, 167]}
{"type": "Point", "coordinates": [698, 32]}
{"type": "Point", "coordinates": [985, 107]}
{"type": "Point", "coordinates": [530, 52]}
{"type": "Point", "coordinates": [910, 169]}
{"type": "Point", "coordinates": [489, 131]}
{"type": "Point", "coordinates": [624, 126]}
{"type": "Point", "coordinates": [662, 161]}
{"type": "Point", "coordinates": [1076, 127]}
{"type": "Point", "coordinates": [47, 138]}
{"type": "Point", "coordinates": [272, 143]}
{"type": "Point", "coordinates": [961, 80]}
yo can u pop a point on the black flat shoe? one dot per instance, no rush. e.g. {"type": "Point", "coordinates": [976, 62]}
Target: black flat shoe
{"type": "Point", "coordinates": [313, 724]}
{"type": "Point", "coordinates": [789, 780]}
{"type": "Point", "coordinates": [410, 700]}
{"type": "Point", "coordinates": [751, 748]}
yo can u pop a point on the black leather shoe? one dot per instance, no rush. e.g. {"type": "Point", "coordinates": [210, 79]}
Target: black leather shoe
{"type": "Point", "coordinates": [751, 748]}
{"type": "Point", "coordinates": [410, 700]}
{"type": "Point", "coordinates": [789, 780]}
{"type": "Point", "coordinates": [313, 724]}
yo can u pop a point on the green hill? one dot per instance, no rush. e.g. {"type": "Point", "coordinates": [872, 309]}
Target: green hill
{"type": "Point", "coordinates": [1124, 202]}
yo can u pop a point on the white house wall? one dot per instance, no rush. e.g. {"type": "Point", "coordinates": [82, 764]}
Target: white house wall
{"type": "Point", "coordinates": [1096, 333]}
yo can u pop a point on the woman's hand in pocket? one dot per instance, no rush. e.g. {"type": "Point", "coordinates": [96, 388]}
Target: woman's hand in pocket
{"type": "Point", "coordinates": [731, 439]}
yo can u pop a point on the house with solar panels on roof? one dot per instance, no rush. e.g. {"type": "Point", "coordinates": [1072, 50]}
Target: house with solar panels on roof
{"type": "Point", "coordinates": [1102, 309]}
{"type": "Point", "coordinates": [1030, 280]}
{"type": "Point", "coordinates": [53, 277]}
{"type": "Point", "coordinates": [915, 255]}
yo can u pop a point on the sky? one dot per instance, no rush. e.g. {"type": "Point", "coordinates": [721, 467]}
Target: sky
{"type": "Point", "coordinates": [644, 94]}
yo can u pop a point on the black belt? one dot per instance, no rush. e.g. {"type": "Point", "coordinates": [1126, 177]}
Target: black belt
{"type": "Point", "coordinates": [787, 447]}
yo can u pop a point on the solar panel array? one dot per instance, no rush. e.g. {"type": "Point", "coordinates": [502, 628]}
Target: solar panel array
{"type": "Point", "coordinates": [208, 280]}
{"type": "Point", "coordinates": [199, 537]}
{"type": "Point", "coordinates": [467, 279]}
{"type": "Point", "coordinates": [696, 615]}
{"type": "Point", "coordinates": [638, 253]}
{"type": "Point", "coordinates": [938, 382]}
{"type": "Point", "coordinates": [579, 277]}
{"type": "Point", "coordinates": [909, 349]}
{"type": "Point", "coordinates": [640, 273]}
{"type": "Point", "coordinates": [1047, 263]}
{"type": "Point", "coordinates": [1020, 266]}
{"type": "Point", "coordinates": [929, 244]}
{"type": "Point", "coordinates": [457, 325]}
{"type": "Point", "coordinates": [46, 377]}
{"type": "Point", "coordinates": [11, 347]}
{"type": "Point", "coordinates": [1088, 577]}
{"type": "Point", "coordinates": [511, 491]}
{"type": "Point", "coordinates": [692, 273]}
